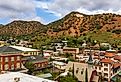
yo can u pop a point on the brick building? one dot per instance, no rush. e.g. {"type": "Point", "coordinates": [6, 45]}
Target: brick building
{"type": "Point", "coordinates": [10, 59]}
{"type": "Point", "coordinates": [38, 61]}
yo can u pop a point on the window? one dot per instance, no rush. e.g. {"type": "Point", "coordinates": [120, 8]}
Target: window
{"type": "Point", "coordinates": [1, 66]}
{"type": "Point", "coordinates": [105, 69]}
{"type": "Point", "coordinates": [77, 70]}
{"type": "Point", "coordinates": [6, 59]}
{"type": "Point", "coordinates": [95, 67]}
{"type": "Point", "coordinates": [6, 67]}
{"type": "Point", "coordinates": [100, 73]}
{"type": "Point", "coordinates": [106, 65]}
{"type": "Point", "coordinates": [12, 66]}
{"type": "Point", "coordinates": [25, 52]}
{"type": "Point", "coordinates": [44, 65]}
{"type": "Point", "coordinates": [30, 53]}
{"type": "Point", "coordinates": [1, 59]}
{"type": "Point", "coordinates": [70, 69]}
{"type": "Point", "coordinates": [18, 65]}
{"type": "Point", "coordinates": [18, 57]}
{"type": "Point", "coordinates": [33, 53]}
{"type": "Point", "coordinates": [106, 74]}
{"type": "Point", "coordinates": [12, 58]}
{"type": "Point", "coordinates": [99, 68]}
{"type": "Point", "coordinates": [38, 65]}
{"type": "Point", "coordinates": [82, 71]}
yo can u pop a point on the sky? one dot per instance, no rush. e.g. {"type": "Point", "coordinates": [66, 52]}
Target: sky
{"type": "Point", "coordinates": [47, 11]}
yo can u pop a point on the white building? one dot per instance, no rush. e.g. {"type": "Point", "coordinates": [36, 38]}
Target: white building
{"type": "Point", "coordinates": [59, 65]}
{"type": "Point", "coordinates": [27, 51]}
{"type": "Point", "coordinates": [109, 65]}
{"type": "Point", "coordinates": [21, 77]}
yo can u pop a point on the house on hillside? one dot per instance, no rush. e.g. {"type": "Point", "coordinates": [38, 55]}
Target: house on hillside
{"type": "Point", "coordinates": [25, 44]}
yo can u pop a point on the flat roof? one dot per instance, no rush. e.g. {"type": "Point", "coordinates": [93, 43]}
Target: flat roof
{"type": "Point", "coordinates": [24, 48]}
{"type": "Point", "coordinates": [7, 49]}
{"type": "Point", "coordinates": [10, 76]}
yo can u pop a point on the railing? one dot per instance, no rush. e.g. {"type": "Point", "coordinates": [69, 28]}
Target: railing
{"type": "Point", "coordinates": [115, 73]}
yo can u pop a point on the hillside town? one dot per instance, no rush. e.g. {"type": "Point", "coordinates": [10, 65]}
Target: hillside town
{"type": "Point", "coordinates": [98, 63]}
{"type": "Point", "coordinates": [60, 40]}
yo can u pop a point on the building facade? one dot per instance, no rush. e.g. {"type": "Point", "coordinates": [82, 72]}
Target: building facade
{"type": "Point", "coordinates": [9, 62]}
{"type": "Point", "coordinates": [10, 59]}
{"type": "Point", "coordinates": [109, 65]}
{"type": "Point", "coordinates": [71, 50]}
{"type": "Point", "coordinates": [26, 51]}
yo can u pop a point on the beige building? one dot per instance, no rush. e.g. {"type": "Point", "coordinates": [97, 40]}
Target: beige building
{"type": "Point", "coordinates": [2, 43]}
{"type": "Point", "coordinates": [71, 50]}
{"type": "Point", "coordinates": [80, 71]}
{"type": "Point", "coordinates": [27, 51]}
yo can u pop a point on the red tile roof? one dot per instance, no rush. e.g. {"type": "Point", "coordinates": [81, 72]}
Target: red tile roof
{"type": "Point", "coordinates": [117, 57]}
{"type": "Point", "coordinates": [96, 57]}
{"type": "Point", "coordinates": [115, 65]}
{"type": "Point", "coordinates": [107, 61]}
{"type": "Point", "coordinates": [107, 54]}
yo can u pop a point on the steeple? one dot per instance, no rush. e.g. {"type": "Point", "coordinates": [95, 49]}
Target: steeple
{"type": "Point", "coordinates": [90, 60]}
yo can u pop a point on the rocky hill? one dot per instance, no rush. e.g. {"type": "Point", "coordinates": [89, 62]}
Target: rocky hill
{"type": "Point", "coordinates": [17, 28]}
{"type": "Point", "coordinates": [74, 24]}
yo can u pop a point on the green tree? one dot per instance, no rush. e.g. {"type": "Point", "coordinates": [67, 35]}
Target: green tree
{"type": "Point", "coordinates": [97, 26]}
{"type": "Point", "coordinates": [68, 78]}
{"type": "Point", "coordinates": [68, 55]}
{"type": "Point", "coordinates": [118, 79]}
{"type": "Point", "coordinates": [42, 52]}
{"type": "Point", "coordinates": [30, 66]}
{"type": "Point", "coordinates": [103, 48]}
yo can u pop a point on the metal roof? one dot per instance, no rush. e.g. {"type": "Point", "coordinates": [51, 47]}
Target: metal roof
{"type": "Point", "coordinates": [7, 49]}
{"type": "Point", "coordinates": [12, 76]}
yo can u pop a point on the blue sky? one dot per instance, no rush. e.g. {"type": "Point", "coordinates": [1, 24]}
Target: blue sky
{"type": "Point", "coordinates": [47, 11]}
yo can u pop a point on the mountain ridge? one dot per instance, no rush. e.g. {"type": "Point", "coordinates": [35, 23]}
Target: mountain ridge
{"type": "Point", "coordinates": [73, 24]}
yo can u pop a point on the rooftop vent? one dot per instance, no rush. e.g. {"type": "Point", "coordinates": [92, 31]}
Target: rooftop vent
{"type": "Point", "coordinates": [16, 79]}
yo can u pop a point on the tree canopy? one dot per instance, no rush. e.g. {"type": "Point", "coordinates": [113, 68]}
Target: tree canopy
{"type": "Point", "coordinates": [68, 78]}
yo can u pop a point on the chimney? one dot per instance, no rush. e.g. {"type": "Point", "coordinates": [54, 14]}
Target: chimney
{"type": "Point", "coordinates": [16, 79]}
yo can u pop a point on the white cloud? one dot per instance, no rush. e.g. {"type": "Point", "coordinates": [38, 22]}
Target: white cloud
{"type": "Point", "coordinates": [41, 4]}
{"type": "Point", "coordinates": [81, 10]}
{"type": "Point", "coordinates": [25, 9]}
{"type": "Point", "coordinates": [32, 18]}
{"type": "Point", "coordinates": [19, 10]}
{"type": "Point", "coordinates": [62, 7]}
{"type": "Point", "coordinates": [16, 8]}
